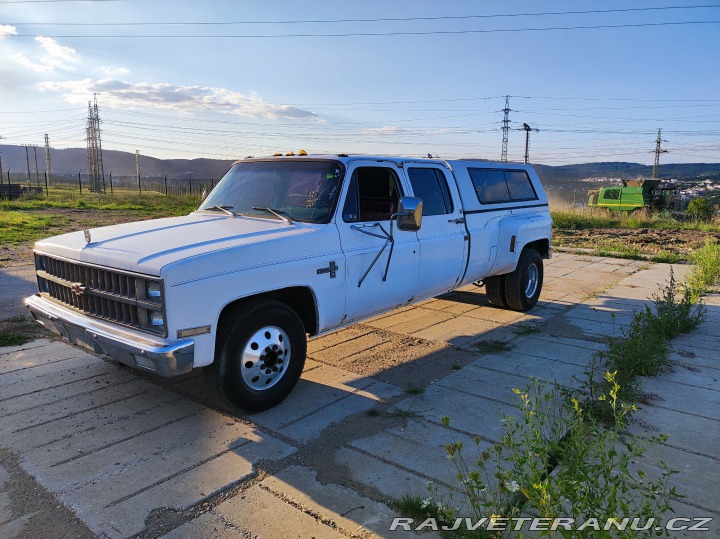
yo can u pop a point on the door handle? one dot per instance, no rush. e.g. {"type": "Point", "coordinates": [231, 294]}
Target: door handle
{"type": "Point", "coordinates": [459, 220]}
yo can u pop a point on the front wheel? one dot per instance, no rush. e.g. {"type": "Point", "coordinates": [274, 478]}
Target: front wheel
{"type": "Point", "coordinates": [523, 286]}
{"type": "Point", "coordinates": [259, 356]}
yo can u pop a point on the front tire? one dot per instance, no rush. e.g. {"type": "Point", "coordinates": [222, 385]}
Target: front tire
{"type": "Point", "coordinates": [259, 355]}
{"type": "Point", "coordinates": [523, 286]}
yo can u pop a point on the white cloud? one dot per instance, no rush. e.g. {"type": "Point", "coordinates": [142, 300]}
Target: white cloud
{"type": "Point", "coordinates": [116, 93]}
{"type": "Point", "coordinates": [397, 130]}
{"type": "Point", "coordinates": [23, 61]}
{"type": "Point", "coordinates": [386, 130]}
{"type": "Point", "coordinates": [56, 55]}
{"type": "Point", "coordinates": [111, 71]}
{"type": "Point", "coordinates": [7, 30]}
{"type": "Point", "coordinates": [51, 56]}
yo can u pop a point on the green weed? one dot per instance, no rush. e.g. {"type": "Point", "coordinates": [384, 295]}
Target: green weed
{"type": "Point", "coordinates": [705, 273]}
{"type": "Point", "coordinates": [525, 329]}
{"type": "Point", "coordinates": [492, 347]}
{"type": "Point", "coordinates": [553, 460]}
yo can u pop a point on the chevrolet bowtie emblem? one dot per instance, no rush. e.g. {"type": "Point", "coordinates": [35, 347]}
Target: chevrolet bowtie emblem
{"type": "Point", "coordinates": [78, 289]}
{"type": "Point", "coordinates": [332, 270]}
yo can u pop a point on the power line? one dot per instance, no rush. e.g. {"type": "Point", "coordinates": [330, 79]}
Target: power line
{"type": "Point", "coordinates": [380, 19]}
{"type": "Point", "coordinates": [364, 34]}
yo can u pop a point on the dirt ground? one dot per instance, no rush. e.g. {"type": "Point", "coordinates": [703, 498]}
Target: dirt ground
{"type": "Point", "coordinates": [647, 241]}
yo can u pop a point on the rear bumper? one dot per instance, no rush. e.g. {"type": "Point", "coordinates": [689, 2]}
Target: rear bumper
{"type": "Point", "coordinates": [124, 345]}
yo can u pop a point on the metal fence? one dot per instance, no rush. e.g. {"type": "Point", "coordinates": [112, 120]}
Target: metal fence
{"type": "Point", "coordinates": [19, 182]}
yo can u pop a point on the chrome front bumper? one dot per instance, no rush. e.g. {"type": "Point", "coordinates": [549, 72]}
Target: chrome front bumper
{"type": "Point", "coordinates": [124, 345]}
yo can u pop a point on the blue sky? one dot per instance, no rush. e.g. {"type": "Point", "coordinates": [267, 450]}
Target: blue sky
{"type": "Point", "coordinates": [430, 80]}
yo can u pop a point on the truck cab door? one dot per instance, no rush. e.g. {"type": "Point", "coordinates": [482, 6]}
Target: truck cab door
{"type": "Point", "coordinates": [380, 273]}
{"type": "Point", "coordinates": [443, 237]}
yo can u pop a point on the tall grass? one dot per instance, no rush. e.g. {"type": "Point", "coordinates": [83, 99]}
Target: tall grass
{"type": "Point", "coordinates": [148, 203]}
{"type": "Point", "coordinates": [587, 218]}
{"type": "Point", "coordinates": [705, 273]}
{"type": "Point", "coordinates": [17, 227]}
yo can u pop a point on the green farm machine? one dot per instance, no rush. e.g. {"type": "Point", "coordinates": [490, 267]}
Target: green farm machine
{"type": "Point", "coordinates": [632, 195]}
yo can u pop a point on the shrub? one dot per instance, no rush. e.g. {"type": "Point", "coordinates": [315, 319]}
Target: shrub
{"type": "Point", "coordinates": [700, 208]}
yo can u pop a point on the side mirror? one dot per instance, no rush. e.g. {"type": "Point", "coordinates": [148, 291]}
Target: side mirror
{"type": "Point", "coordinates": [409, 217]}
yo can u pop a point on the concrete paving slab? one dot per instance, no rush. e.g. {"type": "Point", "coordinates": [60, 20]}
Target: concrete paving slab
{"type": "Point", "coordinates": [685, 431]}
{"type": "Point", "coordinates": [598, 278]}
{"type": "Point", "coordinates": [191, 486]}
{"type": "Point", "coordinates": [688, 355]}
{"type": "Point", "coordinates": [319, 391]}
{"type": "Point", "coordinates": [25, 381]}
{"type": "Point", "coordinates": [366, 340]}
{"type": "Point", "coordinates": [486, 383]}
{"type": "Point", "coordinates": [682, 398]}
{"type": "Point", "coordinates": [569, 262]}
{"type": "Point", "coordinates": [458, 331]}
{"type": "Point", "coordinates": [411, 321]}
{"type": "Point", "coordinates": [693, 376]}
{"type": "Point", "coordinates": [116, 470]}
{"type": "Point", "coordinates": [16, 283]}
{"type": "Point", "coordinates": [46, 407]}
{"type": "Point", "coordinates": [557, 348]}
{"type": "Point", "coordinates": [601, 313]}
{"type": "Point", "coordinates": [418, 447]}
{"type": "Point", "coordinates": [697, 478]}
{"type": "Point", "coordinates": [685, 516]}
{"type": "Point", "coordinates": [468, 413]}
{"type": "Point", "coordinates": [595, 327]}
{"type": "Point", "coordinates": [388, 479]}
{"type": "Point", "coordinates": [341, 506]}
{"type": "Point", "coordinates": [250, 511]}
{"type": "Point", "coordinates": [702, 344]}
{"type": "Point", "coordinates": [81, 434]}
{"type": "Point", "coordinates": [207, 526]}
{"type": "Point", "coordinates": [32, 354]}
{"type": "Point", "coordinates": [337, 337]}
{"type": "Point", "coordinates": [544, 369]}
{"type": "Point", "coordinates": [311, 426]}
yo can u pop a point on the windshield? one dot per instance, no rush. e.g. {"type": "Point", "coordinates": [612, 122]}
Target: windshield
{"type": "Point", "coordinates": [299, 190]}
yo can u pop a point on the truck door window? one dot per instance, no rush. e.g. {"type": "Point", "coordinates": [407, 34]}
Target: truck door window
{"type": "Point", "coordinates": [373, 195]}
{"type": "Point", "coordinates": [430, 185]}
{"type": "Point", "coordinates": [493, 186]}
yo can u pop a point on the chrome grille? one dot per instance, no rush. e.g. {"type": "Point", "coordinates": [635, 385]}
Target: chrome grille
{"type": "Point", "coordinates": [112, 295]}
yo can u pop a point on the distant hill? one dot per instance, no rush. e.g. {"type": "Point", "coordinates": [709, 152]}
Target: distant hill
{"type": "Point", "coordinates": [625, 171]}
{"type": "Point", "coordinates": [71, 160]}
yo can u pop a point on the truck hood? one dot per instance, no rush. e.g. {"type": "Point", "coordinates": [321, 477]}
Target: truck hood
{"type": "Point", "coordinates": [147, 246]}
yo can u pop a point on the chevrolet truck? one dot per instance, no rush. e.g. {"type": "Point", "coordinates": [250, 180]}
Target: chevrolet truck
{"type": "Point", "coordinates": [287, 247]}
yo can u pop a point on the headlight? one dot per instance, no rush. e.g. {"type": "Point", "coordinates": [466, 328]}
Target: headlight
{"type": "Point", "coordinates": [154, 290]}
{"type": "Point", "coordinates": [156, 319]}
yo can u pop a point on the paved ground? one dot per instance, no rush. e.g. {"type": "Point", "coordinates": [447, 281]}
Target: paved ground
{"type": "Point", "coordinates": [91, 449]}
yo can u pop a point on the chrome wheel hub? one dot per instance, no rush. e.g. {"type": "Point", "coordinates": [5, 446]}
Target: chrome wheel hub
{"type": "Point", "coordinates": [531, 284]}
{"type": "Point", "coordinates": [265, 358]}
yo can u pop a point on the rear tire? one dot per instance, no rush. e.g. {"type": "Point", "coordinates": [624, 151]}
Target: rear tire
{"type": "Point", "coordinates": [259, 355]}
{"type": "Point", "coordinates": [495, 291]}
{"type": "Point", "coordinates": [523, 286]}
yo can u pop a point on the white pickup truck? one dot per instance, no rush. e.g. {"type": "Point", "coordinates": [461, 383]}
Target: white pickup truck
{"type": "Point", "coordinates": [289, 246]}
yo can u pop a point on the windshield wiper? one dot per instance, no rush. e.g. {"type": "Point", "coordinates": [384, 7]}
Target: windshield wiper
{"type": "Point", "coordinates": [276, 213]}
{"type": "Point", "coordinates": [226, 209]}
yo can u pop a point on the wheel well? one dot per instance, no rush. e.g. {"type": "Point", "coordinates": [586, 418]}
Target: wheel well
{"type": "Point", "coordinates": [541, 246]}
{"type": "Point", "coordinates": [299, 298]}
